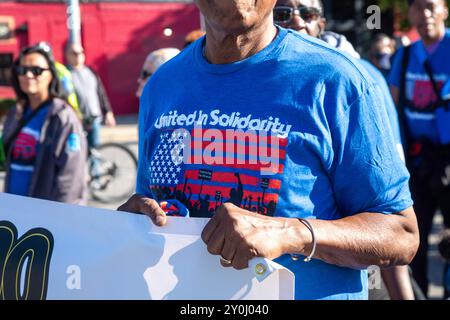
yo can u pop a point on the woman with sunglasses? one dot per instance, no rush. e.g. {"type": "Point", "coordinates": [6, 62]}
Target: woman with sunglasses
{"type": "Point", "coordinates": [44, 140]}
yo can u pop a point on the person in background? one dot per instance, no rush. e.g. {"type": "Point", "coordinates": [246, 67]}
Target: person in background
{"type": "Point", "coordinates": [310, 20]}
{"type": "Point", "coordinates": [44, 139]}
{"type": "Point", "coordinates": [65, 77]}
{"type": "Point", "coordinates": [401, 41]}
{"type": "Point", "coordinates": [193, 36]}
{"type": "Point", "coordinates": [93, 100]}
{"type": "Point", "coordinates": [381, 52]}
{"type": "Point", "coordinates": [153, 61]}
{"type": "Point", "coordinates": [419, 82]}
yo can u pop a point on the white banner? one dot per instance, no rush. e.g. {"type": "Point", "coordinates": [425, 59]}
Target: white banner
{"type": "Point", "coordinates": [51, 250]}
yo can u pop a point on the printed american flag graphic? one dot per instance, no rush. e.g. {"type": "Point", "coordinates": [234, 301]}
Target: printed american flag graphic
{"type": "Point", "coordinates": [202, 179]}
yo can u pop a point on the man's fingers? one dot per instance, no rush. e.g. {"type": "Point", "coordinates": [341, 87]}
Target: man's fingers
{"type": "Point", "coordinates": [208, 230]}
{"type": "Point", "coordinates": [226, 263]}
{"type": "Point", "coordinates": [216, 241]}
{"type": "Point", "coordinates": [228, 252]}
{"type": "Point", "coordinates": [229, 249]}
{"type": "Point", "coordinates": [141, 204]}
{"type": "Point", "coordinates": [241, 259]}
{"type": "Point", "coordinates": [152, 209]}
{"type": "Point", "coordinates": [132, 204]}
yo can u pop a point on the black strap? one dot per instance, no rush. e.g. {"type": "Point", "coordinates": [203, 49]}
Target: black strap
{"type": "Point", "coordinates": [22, 123]}
{"type": "Point", "coordinates": [437, 91]}
{"type": "Point", "coordinates": [402, 96]}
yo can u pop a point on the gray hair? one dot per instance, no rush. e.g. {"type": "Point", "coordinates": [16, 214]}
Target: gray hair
{"type": "Point", "coordinates": [319, 5]}
{"type": "Point", "coordinates": [160, 56]}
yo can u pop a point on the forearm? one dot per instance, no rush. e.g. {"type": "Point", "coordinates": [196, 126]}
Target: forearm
{"type": "Point", "coordinates": [398, 283]}
{"type": "Point", "coordinates": [104, 101]}
{"type": "Point", "coordinates": [358, 241]}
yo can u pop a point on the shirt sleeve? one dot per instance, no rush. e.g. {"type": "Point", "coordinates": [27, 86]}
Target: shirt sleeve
{"type": "Point", "coordinates": [367, 173]}
{"type": "Point", "coordinates": [69, 184]}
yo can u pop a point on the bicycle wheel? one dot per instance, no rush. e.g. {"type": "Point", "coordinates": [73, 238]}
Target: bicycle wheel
{"type": "Point", "coordinates": [118, 170]}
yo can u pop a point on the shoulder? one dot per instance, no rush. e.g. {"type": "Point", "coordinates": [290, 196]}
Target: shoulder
{"type": "Point", "coordinates": [87, 71]}
{"type": "Point", "coordinates": [90, 69]}
{"type": "Point", "coordinates": [372, 70]}
{"type": "Point", "coordinates": [447, 38]}
{"type": "Point", "coordinates": [318, 60]}
{"type": "Point", "coordinates": [447, 34]}
{"type": "Point", "coordinates": [62, 111]}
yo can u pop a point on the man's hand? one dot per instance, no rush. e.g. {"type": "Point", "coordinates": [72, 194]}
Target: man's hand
{"type": "Point", "coordinates": [110, 120]}
{"type": "Point", "coordinates": [141, 204]}
{"type": "Point", "coordinates": [239, 235]}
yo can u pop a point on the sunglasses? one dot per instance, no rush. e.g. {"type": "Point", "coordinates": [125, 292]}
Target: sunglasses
{"type": "Point", "coordinates": [35, 70]}
{"type": "Point", "coordinates": [145, 74]}
{"type": "Point", "coordinates": [284, 14]}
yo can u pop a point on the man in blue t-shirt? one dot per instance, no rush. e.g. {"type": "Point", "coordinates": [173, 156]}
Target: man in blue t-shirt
{"type": "Point", "coordinates": [425, 119]}
{"type": "Point", "coordinates": [277, 137]}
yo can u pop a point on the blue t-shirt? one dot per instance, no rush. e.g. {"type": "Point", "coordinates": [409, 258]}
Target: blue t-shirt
{"type": "Point", "coordinates": [24, 152]}
{"type": "Point", "coordinates": [293, 131]}
{"type": "Point", "coordinates": [420, 121]}
{"type": "Point", "coordinates": [389, 104]}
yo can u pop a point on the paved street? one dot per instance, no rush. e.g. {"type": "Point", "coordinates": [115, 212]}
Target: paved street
{"type": "Point", "coordinates": [126, 133]}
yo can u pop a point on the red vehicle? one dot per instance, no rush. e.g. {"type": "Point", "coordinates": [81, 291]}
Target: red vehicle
{"type": "Point", "coordinates": [117, 36]}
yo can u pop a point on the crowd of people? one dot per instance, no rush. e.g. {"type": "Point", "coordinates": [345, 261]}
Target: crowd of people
{"type": "Point", "coordinates": [363, 163]}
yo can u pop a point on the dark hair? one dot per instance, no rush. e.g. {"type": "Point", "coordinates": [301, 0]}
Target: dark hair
{"type": "Point", "coordinates": [55, 87]}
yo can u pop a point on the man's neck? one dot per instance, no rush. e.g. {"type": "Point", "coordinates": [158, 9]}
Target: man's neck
{"type": "Point", "coordinates": [222, 48]}
{"type": "Point", "coordinates": [432, 41]}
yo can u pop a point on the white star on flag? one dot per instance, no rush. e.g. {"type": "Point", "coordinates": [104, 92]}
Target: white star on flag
{"type": "Point", "coordinates": [165, 166]}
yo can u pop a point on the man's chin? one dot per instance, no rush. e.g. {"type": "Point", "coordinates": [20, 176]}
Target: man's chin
{"type": "Point", "coordinates": [428, 32]}
{"type": "Point", "coordinates": [236, 26]}
{"type": "Point", "coordinates": [431, 35]}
